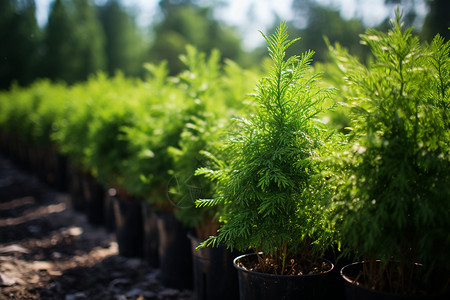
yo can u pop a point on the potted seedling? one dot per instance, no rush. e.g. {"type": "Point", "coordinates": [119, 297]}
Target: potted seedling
{"type": "Point", "coordinates": [159, 124]}
{"type": "Point", "coordinates": [106, 157]}
{"type": "Point", "coordinates": [271, 189]}
{"type": "Point", "coordinates": [214, 275]}
{"type": "Point", "coordinates": [72, 139]}
{"type": "Point", "coordinates": [212, 98]}
{"type": "Point", "coordinates": [45, 117]}
{"type": "Point", "coordinates": [179, 149]}
{"type": "Point", "coordinates": [216, 91]}
{"type": "Point", "coordinates": [392, 201]}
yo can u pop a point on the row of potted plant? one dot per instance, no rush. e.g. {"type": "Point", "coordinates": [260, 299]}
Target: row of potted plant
{"type": "Point", "coordinates": [278, 184]}
{"type": "Point", "coordinates": [137, 142]}
{"type": "Point", "coordinates": [391, 203]}
{"type": "Point", "coordinates": [290, 189]}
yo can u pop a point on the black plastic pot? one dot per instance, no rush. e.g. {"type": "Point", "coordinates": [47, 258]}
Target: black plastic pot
{"type": "Point", "coordinates": [38, 163]}
{"type": "Point", "coordinates": [108, 210]}
{"type": "Point", "coordinates": [75, 189]}
{"type": "Point", "coordinates": [151, 238]}
{"type": "Point", "coordinates": [263, 286]}
{"type": "Point", "coordinates": [215, 278]}
{"type": "Point", "coordinates": [174, 251]}
{"type": "Point", "coordinates": [60, 171]}
{"type": "Point", "coordinates": [94, 195]}
{"type": "Point", "coordinates": [337, 284]}
{"type": "Point", "coordinates": [129, 228]}
{"type": "Point", "coordinates": [50, 166]}
{"type": "Point", "coordinates": [355, 291]}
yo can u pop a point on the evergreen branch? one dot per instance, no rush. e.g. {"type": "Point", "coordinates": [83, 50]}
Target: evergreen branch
{"type": "Point", "coordinates": [208, 202]}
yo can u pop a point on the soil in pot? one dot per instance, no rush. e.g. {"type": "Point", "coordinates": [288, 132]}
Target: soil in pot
{"type": "Point", "coordinates": [256, 285]}
{"type": "Point", "coordinates": [215, 278]}
{"type": "Point", "coordinates": [357, 286]}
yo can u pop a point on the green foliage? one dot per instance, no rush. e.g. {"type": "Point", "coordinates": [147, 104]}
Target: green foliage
{"type": "Point", "coordinates": [73, 123]}
{"type": "Point", "coordinates": [185, 187]}
{"type": "Point", "coordinates": [270, 184]}
{"type": "Point", "coordinates": [158, 123]}
{"type": "Point", "coordinates": [16, 107]}
{"type": "Point", "coordinates": [109, 151]}
{"type": "Point", "coordinates": [46, 114]}
{"type": "Point", "coordinates": [28, 115]}
{"type": "Point", "coordinates": [392, 199]}
{"type": "Point", "coordinates": [200, 83]}
{"type": "Point", "coordinates": [213, 93]}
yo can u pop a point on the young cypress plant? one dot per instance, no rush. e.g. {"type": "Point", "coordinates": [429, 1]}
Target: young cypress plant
{"type": "Point", "coordinates": [392, 202]}
{"type": "Point", "coordinates": [270, 186]}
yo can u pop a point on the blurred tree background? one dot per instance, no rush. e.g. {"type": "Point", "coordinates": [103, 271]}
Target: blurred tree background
{"type": "Point", "coordinates": [185, 23]}
{"type": "Point", "coordinates": [322, 21]}
{"type": "Point", "coordinates": [437, 20]}
{"type": "Point", "coordinates": [74, 42]}
{"type": "Point", "coordinates": [20, 42]}
{"type": "Point", "coordinates": [82, 37]}
{"type": "Point", "coordinates": [125, 44]}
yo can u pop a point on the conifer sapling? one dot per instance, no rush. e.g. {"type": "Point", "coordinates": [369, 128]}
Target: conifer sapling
{"type": "Point", "coordinates": [270, 186]}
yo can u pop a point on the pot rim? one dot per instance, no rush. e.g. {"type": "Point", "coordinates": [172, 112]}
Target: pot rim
{"type": "Point", "coordinates": [269, 275]}
{"type": "Point", "coordinates": [378, 292]}
{"type": "Point", "coordinates": [349, 280]}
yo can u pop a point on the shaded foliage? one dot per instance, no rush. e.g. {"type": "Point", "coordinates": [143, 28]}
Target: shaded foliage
{"type": "Point", "coordinates": [81, 38]}
{"type": "Point", "coordinates": [185, 23]}
{"type": "Point", "coordinates": [124, 47]}
{"type": "Point", "coordinates": [335, 28]}
{"type": "Point", "coordinates": [437, 20]}
{"type": "Point", "coordinates": [74, 42]}
{"type": "Point", "coordinates": [20, 42]}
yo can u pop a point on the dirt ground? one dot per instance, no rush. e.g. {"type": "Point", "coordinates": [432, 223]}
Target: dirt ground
{"type": "Point", "coordinates": [49, 251]}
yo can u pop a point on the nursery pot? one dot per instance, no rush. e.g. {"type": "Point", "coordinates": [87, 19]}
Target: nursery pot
{"type": "Point", "coordinates": [76, 190]}
{"type": "Point", "coordinates": [264, 286]}
{"type": "Point", "coordinates": [61, 172]}
{"type": "Point", "coordinates": [38, 163]}
{"type": "Point", "coordinates": [52, 166]}
{"type": "Point", "coordinates": [151, 239]}
{"type": "Point", "coordinates": [94, 196]}
{"type": "Point", "coordinates": [215, 278]}
{"type": "Point", "coordinates": [334, 255]}
{"type": "Point", "coordinates": [356, 291]}
{"type": "Point", "coordinates": [108, 210]}
{"type": "Point", "coordinates": [174, 252]}
{"type": "Point", "coordinates": [128, 218]}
